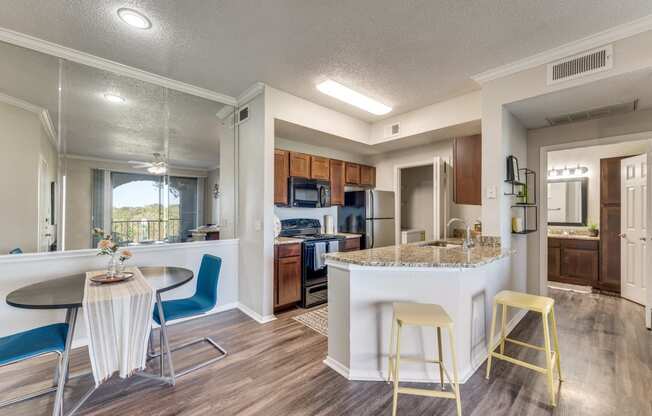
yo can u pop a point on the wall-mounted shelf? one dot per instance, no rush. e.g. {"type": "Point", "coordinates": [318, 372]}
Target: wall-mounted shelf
{"type": "Point", "coordinates": [524, 188]}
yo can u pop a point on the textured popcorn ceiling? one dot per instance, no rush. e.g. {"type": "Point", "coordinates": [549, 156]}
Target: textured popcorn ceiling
{"type": "Point", "coordinates": [405, 53]}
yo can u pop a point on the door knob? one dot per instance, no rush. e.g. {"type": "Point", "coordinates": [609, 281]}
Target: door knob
{"type": "Point", "coordinates": [622, 235]}
{"type": "Point", "coordinates": [643, 239]}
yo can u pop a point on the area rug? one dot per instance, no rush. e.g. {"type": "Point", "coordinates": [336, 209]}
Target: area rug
{"type": "Point", "coordinates": [317, 320]}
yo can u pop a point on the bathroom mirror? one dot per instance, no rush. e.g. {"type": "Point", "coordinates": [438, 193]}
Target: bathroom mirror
{"type": "Point", "coordinates": [567, 202]}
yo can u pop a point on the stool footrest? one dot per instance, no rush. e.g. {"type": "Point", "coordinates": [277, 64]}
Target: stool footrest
{"type": "Point", "coordinates": [525, 344]}
{"type": "Point", "coordinates": [519, 362]}
{"type": "Point", "coordinates": [428, 393]}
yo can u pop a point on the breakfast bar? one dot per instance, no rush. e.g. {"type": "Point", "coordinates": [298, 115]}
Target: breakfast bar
{"type": "Point", "coordinates": [363, 285]}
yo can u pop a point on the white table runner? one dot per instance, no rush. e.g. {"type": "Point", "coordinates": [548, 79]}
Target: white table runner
{"type": "Point", "coordinates": [118, 323]}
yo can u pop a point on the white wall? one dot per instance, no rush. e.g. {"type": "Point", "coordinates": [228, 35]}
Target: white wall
{"type": "Point", "coordinates": [417, 208]}
{"type": "Point", "coordinates": [590, 157]}
{"type": "Point", "coordinates": [459, 110]}
{"type": "Point", "coordinates": [23, 141]}
{"type": "Point", "coordinates": [296, 110]}
{"type": "Point", "coordinates": [19, 271]}
{"type": "Point", "coordinates": [256, 265]}
{"type": "Point", "coordinates": [329, 152]}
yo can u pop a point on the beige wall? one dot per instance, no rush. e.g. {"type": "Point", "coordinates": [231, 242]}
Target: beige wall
{"type": "Point", "coordinates": [79, 194]}
{"type": "Point", "coordinates": [23, 142]}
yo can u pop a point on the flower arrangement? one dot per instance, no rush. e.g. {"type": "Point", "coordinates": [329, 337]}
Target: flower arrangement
{"type": "Point", "coordinates": [107, 247]}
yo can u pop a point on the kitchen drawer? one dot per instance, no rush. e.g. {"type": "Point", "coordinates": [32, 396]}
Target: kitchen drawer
{"type": "Point", "coordinates": [288, 250]}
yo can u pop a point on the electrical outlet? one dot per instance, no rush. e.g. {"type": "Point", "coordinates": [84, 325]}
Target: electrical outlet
{"type": "Point", "coordinates": [491, 192]}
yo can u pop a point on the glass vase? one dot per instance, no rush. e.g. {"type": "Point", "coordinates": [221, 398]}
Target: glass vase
{"type": "Point", "coordinates": [112, 266]}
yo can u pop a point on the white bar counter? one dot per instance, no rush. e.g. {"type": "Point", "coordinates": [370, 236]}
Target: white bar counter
{"type": "Point", "coordinates": [362, 285]}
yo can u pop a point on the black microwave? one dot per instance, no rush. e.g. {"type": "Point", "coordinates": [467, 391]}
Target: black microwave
{"type": "Point", "coordinates": [309, 193]}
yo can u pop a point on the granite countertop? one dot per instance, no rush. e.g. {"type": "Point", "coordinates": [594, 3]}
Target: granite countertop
{"type": "Point", "coordinates": [574, 237]}
{"type": "Point", "coordinates": [286, 240]}
{"type": "Point", "coordinates": [418, 255]}
{"type": "Point", "coordinates": [349, 235]}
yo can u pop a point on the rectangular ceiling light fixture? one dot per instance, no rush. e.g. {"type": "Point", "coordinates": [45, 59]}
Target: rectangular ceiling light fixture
{"type": "Point", "coordinates": [342, 93]}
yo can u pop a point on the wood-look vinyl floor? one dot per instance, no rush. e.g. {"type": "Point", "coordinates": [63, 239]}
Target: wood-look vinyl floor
{"type": "Point", "coordinates": [276, 369]}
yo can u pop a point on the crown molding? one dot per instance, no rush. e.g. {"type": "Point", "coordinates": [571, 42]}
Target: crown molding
{"type": "Point", "coordinates": [50, 48]}
{"type": "Point", "coordinates": [42, 113]}
{"type": "Point", "coordinates": [224, 112]}
{"type": "Point", "coordinates": [596, 40]}
{"type": "Point", "coordinates": [251, 92]}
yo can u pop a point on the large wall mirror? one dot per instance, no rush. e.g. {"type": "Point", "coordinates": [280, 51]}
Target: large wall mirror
{"type": "Point", "coordinates": [567, 202]}
{"type": "Point", "coordinates": [85, 148]}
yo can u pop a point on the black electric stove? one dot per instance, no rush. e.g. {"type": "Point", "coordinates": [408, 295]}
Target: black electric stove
{"type": "Point", "coordinates": [314, 272]}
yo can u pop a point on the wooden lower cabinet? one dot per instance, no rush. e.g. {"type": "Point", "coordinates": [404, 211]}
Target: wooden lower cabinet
{"type": "Point", "coordinates": [287, 275]}
{"type": "Point", "coordinates": [351, 244]}
{"type": "Point", "coordinates": [573, 261]}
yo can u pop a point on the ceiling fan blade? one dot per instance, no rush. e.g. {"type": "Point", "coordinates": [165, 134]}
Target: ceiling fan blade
{"type": "Point", "coordinates": [141, 165]}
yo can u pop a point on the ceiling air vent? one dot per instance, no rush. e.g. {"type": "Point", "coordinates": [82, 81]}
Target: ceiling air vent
{"type": "Point", "coordinates": [577, 66]}
{"type": "Point", "coordinates": [392, 130]}
{"type": "Point", "coordinates": [611, 110]}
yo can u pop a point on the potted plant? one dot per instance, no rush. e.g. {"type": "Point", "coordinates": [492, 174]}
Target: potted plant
{"type": "Point", "coordinates": [593, 229]}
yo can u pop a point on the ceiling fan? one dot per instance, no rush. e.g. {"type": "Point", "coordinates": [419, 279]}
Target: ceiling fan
{"type": "Point", "coordinates": [158, 167]}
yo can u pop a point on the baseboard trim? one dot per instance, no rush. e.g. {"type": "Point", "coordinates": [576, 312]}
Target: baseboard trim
{"type": "Point", "coordinates": [338, 367]}
{"type": "Point", "coordinates": [255, 315]}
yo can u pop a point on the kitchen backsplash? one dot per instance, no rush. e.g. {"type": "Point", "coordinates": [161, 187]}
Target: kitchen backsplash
{"type": "Point", "coordinates": [314, 213]}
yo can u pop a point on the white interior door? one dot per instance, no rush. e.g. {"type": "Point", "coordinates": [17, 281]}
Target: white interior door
{"type": "Point", "coordinates": [633, 228]}
{"type": "Point", "coordinates": [44, 214]}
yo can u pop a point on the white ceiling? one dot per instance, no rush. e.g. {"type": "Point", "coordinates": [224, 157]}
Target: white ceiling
{"type": "Point", "coordinates": [405, 54]}
{"type": "Point", "coordinates": [620, 89]}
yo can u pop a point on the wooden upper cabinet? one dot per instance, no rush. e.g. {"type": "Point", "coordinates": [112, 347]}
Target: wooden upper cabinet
{"type": "Point", "coordinates": [352, 174]}
{"type": "Point", "coordinates": [367, 175]}
{"type": "Point", "coordinates": [299, 165]}
{"type": "Point", "coordinates": [337, 182]}
{"type": "Point", "coordinates": [467, 159]}
{"type": "Point", "coordinates": [281, 174]}
{"type": "Point", "coordinates": [319, 168]}
{"type": "Point", "coordinates": [610, 181]}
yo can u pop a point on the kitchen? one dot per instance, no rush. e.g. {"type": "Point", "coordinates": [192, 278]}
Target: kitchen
{"type": "Point", "coordinates": [344, 197]}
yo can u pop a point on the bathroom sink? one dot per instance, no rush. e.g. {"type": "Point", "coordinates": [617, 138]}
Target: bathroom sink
{"type": "Point", "coordinates": [439, 243]}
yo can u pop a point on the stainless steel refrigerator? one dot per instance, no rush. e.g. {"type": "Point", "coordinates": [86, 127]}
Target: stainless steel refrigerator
{"type": "Point", "coordinates": [371, 213]}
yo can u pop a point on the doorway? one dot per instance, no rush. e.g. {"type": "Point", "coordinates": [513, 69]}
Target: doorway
{"type": "Point", "coordinates": [597, 187]}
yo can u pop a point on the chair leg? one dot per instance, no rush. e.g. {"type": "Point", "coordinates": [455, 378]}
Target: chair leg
{"type": "Point", "coordinates": [391, 350]}
{"type": "Point", "coordinates": [441, 359]}
{"type": "Point", "coordinates": [503, 325]}
{"type": "Point", "coordinates": [397, 363]}
{"type": "Point", "coordinates": [556, 343]}
{"type": "Point", "coordinates": [165, 344]}
{"type": "Point", "coordinates": [491, 339]}
{"type": "Point", "coordinates": [456, 385]}
{"type": "Point", "coordinates": [549, 372]}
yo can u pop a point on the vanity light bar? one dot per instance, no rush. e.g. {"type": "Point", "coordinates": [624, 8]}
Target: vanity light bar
{"type": "Point", "coordinates": [566, 172]}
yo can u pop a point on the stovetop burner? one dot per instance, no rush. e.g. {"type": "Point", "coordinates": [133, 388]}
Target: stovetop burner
{"type": "Point", "coordinates": [305, 228]}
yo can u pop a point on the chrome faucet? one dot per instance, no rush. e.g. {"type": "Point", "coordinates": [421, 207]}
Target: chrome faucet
{"type": "Point", "coordinates": [468, 242]}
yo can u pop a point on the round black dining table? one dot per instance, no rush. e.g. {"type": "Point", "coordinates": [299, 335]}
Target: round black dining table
{"type": "Point", "coordinates": [68, 293]}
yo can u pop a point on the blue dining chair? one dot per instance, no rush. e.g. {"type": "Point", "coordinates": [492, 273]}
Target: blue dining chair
{"type": "Point", "coordinates": [50, 339]}
{"type": "Point", "coordinates": [204, 299]}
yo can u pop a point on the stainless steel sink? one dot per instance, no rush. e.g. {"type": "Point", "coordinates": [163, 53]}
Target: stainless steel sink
{"type": "Point", "coordinates": [444, 244]}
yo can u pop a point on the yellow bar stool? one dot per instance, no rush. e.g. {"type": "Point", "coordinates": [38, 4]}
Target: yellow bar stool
{"type": "Point", "coordinates": [540, 304]}
{"type": "Point", "coordinates": [420, 314]}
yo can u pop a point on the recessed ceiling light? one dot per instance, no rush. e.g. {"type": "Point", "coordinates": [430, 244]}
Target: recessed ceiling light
{"type": "Point", "coordinates": [114, 98]}
{"type": "Point", "coordinates": [342, 93]}
{"type": "Point", "coordinates": [134, 18]}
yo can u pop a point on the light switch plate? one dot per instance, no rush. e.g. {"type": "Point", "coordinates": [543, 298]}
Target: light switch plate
{"type": "Point", "coordinates": [491, 192]}
{"type": "Point", "coordinates": [258, 225]}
